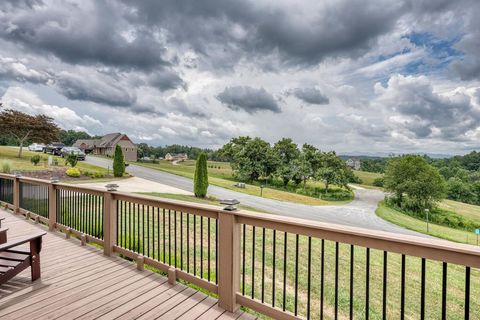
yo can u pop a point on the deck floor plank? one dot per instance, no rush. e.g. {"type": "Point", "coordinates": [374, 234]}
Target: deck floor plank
{"type": "Point", "coordinates": [79, 282]}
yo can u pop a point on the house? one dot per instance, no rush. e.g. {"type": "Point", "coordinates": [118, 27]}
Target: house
{"type": "Point", "coordinates": [354, 164]}
{"type": "Point", "coordinates": [176, 156]}
{"type": "Point", "coordinates": [106, 145]}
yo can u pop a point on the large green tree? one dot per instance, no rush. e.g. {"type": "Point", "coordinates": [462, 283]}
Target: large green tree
{"type": "Point", "coordinates": [68, 137]}
{"type": "Point", "coordinates": [332, 170]}
{"type": "Point", "coordinates": [23, 127]}
{"type": "Point", "coordinates": [200, 179]}
{"type": "Point", "coordinates": [286, 151]}
{"type": "Point", "coordinates": [416, 184]}
{"type": "Point", "coordinates": [307, 164]}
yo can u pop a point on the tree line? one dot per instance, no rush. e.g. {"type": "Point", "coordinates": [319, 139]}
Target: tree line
{"type": "Point", "coordinates": [255, 160]}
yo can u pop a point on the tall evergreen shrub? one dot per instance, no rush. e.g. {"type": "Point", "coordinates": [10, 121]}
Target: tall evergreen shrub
{"type": "Point", "coordinates": [118, 162]}
{"type": "Point", "coordinates": [200, 181]}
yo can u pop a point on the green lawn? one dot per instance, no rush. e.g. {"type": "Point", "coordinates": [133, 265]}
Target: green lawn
{"type": "Point", "coordinates": [220, 174]}
{"type": "Point", "coordinates": [367, 178]}
{"type": "Point", "coordinates": [156, 223]}
{"type": "Point", "coordinates": [438, 231]}
{"type": "Point", "coordinates": [10, 154]}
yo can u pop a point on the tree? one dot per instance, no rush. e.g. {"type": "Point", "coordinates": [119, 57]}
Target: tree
{"type": "Point", "coordinates": [69, 137]}
{"type": "Point", "coordinates": [286, 152]}
{"type": "Point", "coordinates": [308, 163]}
{"type": "Point", "coordinates": [200, 180]}
{"type": "Point", "coordinates": [416, 184]}
{"type": "Point", "coordinates": [24, 127]}
{"type": "Point", "coordinates": [332, 170]}
{"type": "Point", "coordinates": [459, 190]}
{"type": "Point", "coordinates": [118, 162]}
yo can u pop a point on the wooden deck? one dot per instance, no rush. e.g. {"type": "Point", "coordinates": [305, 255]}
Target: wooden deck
{"type": "Point", "coordinates": [81, 283]}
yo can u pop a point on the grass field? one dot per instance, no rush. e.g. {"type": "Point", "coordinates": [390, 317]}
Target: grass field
{"type": "Point", "coordinates": [24, 164]}
{"type": "Point", "coordinates": [220, 174]}
{"type": "Point", "coordinates": [438, 231]}
{"type": "Point", "coordinates": [367, 178]}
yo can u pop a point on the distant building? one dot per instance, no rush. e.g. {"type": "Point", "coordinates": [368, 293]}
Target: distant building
{"type": "Point", "coordinates": [354, 164]}
{"type": "Point", "coordinates": [106, 146]}
{"type": "Point", "coordinates": [176, 156]}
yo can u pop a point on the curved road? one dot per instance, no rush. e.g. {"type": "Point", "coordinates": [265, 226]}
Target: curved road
{"type": "Point", "coordinates": [359, 213]}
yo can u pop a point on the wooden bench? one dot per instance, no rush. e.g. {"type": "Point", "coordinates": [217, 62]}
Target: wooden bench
{"type": "Point", "coordinates": [14, 259]}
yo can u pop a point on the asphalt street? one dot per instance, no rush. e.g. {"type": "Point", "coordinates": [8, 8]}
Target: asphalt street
{"type": "Point", "coordinates": [359, 213]}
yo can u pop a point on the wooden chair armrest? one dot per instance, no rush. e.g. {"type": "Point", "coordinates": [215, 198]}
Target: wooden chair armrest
{"type": "Point", "coordinates": [20, 241]}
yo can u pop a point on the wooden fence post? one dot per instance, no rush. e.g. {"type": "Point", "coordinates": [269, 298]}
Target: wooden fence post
{"type": "Point", "coordinates": [16, 195]}
{"type": "Point", "coordinates": [228, 261]}
{"type": "Point", "coordinates": [52, 207]}
{"type": "Point", "coordinates": [109, 223]}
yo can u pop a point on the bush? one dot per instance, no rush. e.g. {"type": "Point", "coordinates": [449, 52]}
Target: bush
{"type": "Point", "coordinates": [73, 172]}
{"type": "Point", "coordinates": [6, 166]}
{"type": "Point", "coordinates": [35, 159]}
{"type": "Point", "coordinates": [378, 182]}
{"type": "Point", "coordinates": [71, 159]}
{"type": "Point", "coordinates": [118, 162]}
{"type": "Point", "coordinates": [200, 181]}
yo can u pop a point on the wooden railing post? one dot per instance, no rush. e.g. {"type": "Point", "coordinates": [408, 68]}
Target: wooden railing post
{"type": "Point", "coordinates": [228, 261]}
{"type": "Point", "coordinates": [52, 206]}
{"type": "Point", "coordinates": [16, 195]}
{"type": "Point", "coordinates": [109, 223]}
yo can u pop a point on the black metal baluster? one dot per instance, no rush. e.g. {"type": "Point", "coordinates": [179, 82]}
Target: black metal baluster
{"type": "Point", "coordinates": [296, 275]}
{"type": "Point", "coordinates": [263, 265]}
{"type": "Point", "coordinates": [216, 251]}
{"type": "Point", "coordinates": [309, 272]}
{"type": "Point", "coordinates": [444, 291]}
{"type": "Point", "coordinates": [194, 245]}
{"type": "Point", "coordinates": [208, 247]}
{"type": "Point", "coordinates": [188, 242]}
{"type": "Point", "coordinates": [158, 233]}
{"type": "Point", "coordinates": [402, 290]}
{"type": "Point", "coordinates": [467, 293]}
{"type": "Point", "coordinates": [284, 271]}
{"type": "Point", "coordinates": [336, 280]}
{"type": "Point", "coordinates": [201, 247]}
{"type": "Point", "coordinates": [175, 237]}
{"type": "Point", "coordinates": [137, 245]}
{"type": "Point", "coordinates": [181, 241]}
{"type": "Point", "coordinates": [385, 266]}
{"type": "Point", "coordinates": [253, 262]}
{"type": "Point", "coordinates": [148, 230]}
{"type": "Point", "coordinates": [322, 278]}
{"type": "Point", "coordinates": [164, 236]}
{"type": "Point", "coordinates": [352, 264]}
{"type": "Point", "coordinates": [243, 259]}
{"type": "Point", "coordinates": [119, 210]}
{"type": "Point", "coordinates": [367, 286]}
{"type": "Point", "coordinates": [143, 229]}
{"type": "Point", "coordinates": [273, 266]}
{"type": "Point", "coordinates": [131, 233]}
{"type": "Point", "coordinates": [422, 292]}
{"type": "Point", "coordinates": [169, 238]}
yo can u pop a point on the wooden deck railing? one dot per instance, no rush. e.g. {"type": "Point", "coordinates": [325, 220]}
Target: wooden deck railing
{"type": "Point", "coordinates": [281, 267]}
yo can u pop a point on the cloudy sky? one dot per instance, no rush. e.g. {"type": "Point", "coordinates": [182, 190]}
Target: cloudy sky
{"type": "Point", "coordinates": [363, 77]}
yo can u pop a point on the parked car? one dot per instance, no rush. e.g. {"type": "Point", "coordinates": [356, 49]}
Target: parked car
{"type": "Point", "coordinates": [53, 148]}
{"type": "Point", "coordinates": [65, 151]}
{"type": "Point", "coordinates": [36, 147]}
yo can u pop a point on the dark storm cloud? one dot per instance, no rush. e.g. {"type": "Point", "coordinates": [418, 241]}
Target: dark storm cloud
{"type": "Point", "coordinates": [310, 95]}
{"type": "Point", "coordinates": [86, 35]}
{"type": "Point", "coordinates": [166, 80]}
{"type": "Point", "coordinates": [96, 88]}
{"type": "Point", "coordinates": [299, 36]}
{"type": "Point", "coordinates": [248, 99]}
{"type": "Point", "coordinates": [424, 111]}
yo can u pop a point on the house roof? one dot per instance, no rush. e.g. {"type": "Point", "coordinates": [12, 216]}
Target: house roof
{"type": "Point", "coordinates": [90, 143]}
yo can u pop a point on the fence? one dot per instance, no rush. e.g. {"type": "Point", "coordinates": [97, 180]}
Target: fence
{"type": "Point", "coordinates": [280, 267]}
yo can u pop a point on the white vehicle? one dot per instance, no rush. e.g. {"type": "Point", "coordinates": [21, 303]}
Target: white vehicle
{"type": "Point", "coordinates": [36, 147]}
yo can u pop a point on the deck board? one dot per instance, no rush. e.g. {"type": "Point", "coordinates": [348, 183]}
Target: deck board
{"type": "Point", "coordinates": [79, 282]}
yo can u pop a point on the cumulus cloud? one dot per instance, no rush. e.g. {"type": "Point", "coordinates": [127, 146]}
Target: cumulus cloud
{"type": "Point", "coordinates": [95, 87]}
{"type": "Point", "coordinates": [15, 69]}
{"type": "Point", "coordinates": [310, 95]}
{"type": "Point", "coordinates": [422, 111]}
{"type": "Point", "coordinates": [248, 99]}
{"type": "Point", "coordinates": [26, 101]}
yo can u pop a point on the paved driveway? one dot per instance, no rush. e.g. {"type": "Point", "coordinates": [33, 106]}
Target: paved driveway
{"type": "Point", "coordinates": [359, 213]}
